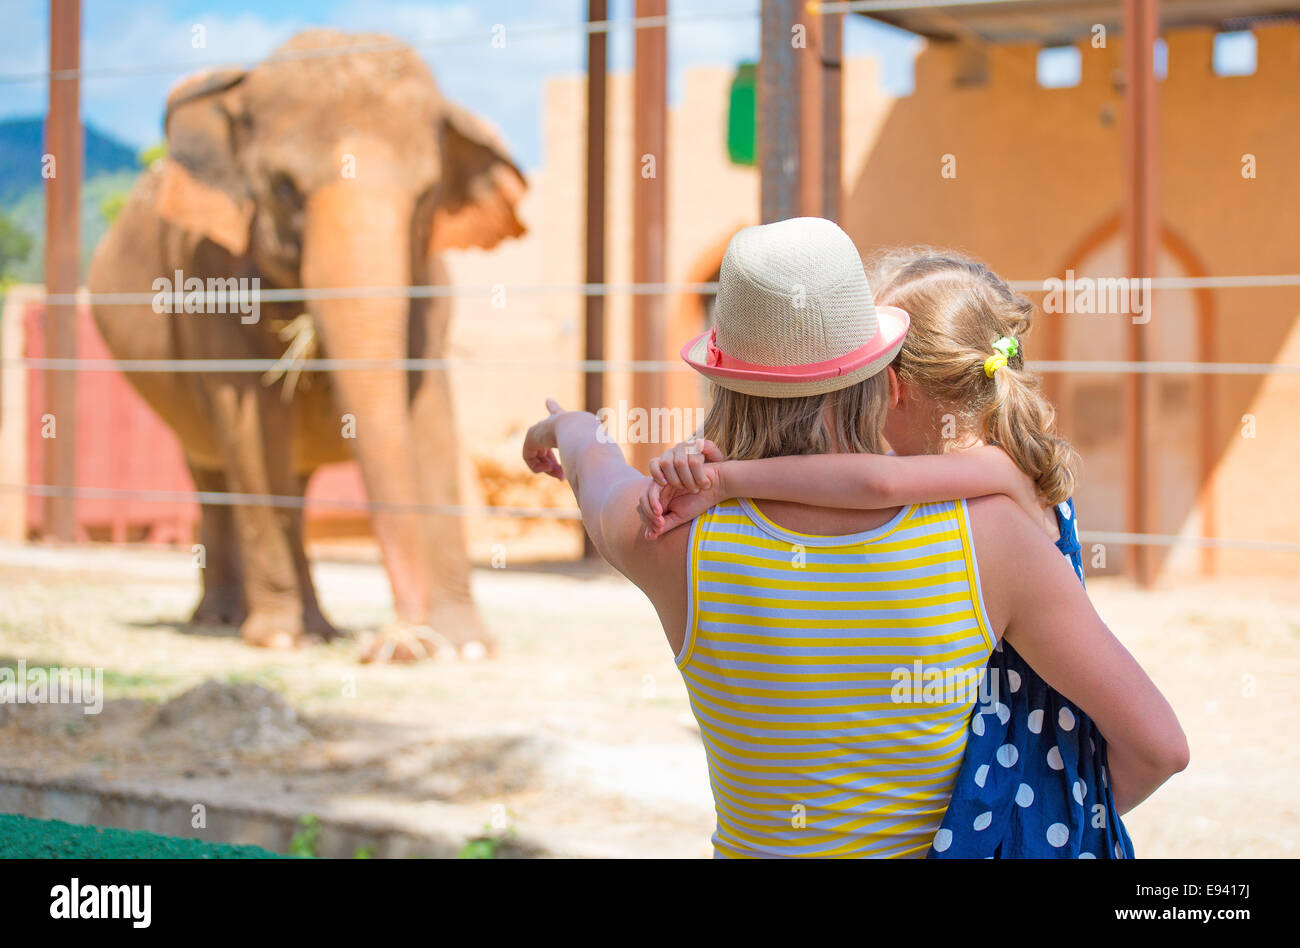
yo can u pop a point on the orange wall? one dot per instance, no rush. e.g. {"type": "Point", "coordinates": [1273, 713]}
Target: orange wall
{"type": "Point", "coordinates": [1039, 170]}
{"type": "Point", "coordinates": [1038, 189]}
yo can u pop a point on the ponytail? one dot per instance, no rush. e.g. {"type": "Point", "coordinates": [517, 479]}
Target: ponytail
{"type": "Point", "coordinates": [1022, 423]}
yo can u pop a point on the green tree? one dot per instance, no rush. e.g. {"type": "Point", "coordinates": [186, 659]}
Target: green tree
{"type": "Point", "coordinates": [15, 245]}
{"type": "Point", "coordinates": [112, 205]}
{"type": "Point", "coordinates": [151, 154]}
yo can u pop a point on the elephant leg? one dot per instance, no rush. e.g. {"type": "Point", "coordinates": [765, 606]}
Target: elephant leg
{"type": "Point", "coordinates": [314, 621]}
{"type": "Point", "coordinates": [255, 431]}
{"type": "Point", "coordinates": [454, 615]}
{"type": "Point", "coordinates": [223, 582]}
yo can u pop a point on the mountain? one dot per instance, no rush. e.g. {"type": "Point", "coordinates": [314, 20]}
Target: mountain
{"type": "Point", "coordinates": [110, 168]}
{"type": "Point", "coordinates": [22, 143]}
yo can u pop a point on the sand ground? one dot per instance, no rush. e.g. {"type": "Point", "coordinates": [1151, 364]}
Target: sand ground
{"type": "Point", "coordinates": [580, 732]}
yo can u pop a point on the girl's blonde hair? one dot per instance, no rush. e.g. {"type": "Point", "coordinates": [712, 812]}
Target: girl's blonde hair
{"type": "Point", "coordinates": [846, 421]}
{"type": "Point", "coordinates": [959, 308]}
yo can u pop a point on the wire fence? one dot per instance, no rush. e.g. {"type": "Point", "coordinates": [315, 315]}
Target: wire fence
{"type": "Point", "coordinates": [239, 301]}
{"type": "Point", "coordinates": [303, 294]}
{"type": "Point", "coordinates": [214, 302]}
{"type": "Point", "coordinates": [290, 502]}
{"type": "Point", "coordinates": [634, 366]}
{"type": "Point", "coordinates": [293, 502]}
{"type": "Point", "coordinates": [248, 296]}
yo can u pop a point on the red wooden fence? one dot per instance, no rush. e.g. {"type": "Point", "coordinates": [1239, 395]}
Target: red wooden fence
{"type": "Point", "coordinates": [122, 444]}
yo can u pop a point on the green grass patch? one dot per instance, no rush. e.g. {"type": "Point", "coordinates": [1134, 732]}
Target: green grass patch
{"type": "Point", "coordinates": [24, 838]}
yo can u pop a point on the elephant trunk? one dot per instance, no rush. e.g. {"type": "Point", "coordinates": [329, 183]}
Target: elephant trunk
{"type": "Point", "coordinates": [358, 235]}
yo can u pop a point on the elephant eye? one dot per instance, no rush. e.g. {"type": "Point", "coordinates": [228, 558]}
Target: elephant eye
{"type": "Point", "coordinates": [284, 192]}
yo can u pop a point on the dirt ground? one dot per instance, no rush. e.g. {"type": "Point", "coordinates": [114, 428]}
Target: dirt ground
{"type": "Point", "coordinates": [579, 734]}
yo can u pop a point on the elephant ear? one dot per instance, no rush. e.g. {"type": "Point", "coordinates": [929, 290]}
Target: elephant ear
{"type": "Point", "coordinates": [202, 188]}
{"type": "Point", "coordinates": [480, 188]}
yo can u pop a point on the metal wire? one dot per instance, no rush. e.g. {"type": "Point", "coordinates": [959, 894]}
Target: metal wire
{"type": "Point", "coordinates": [289, 501]}
{"type": "Point", "coordinates": [1215, 543]}
{"type": "Point", "coordinates": [1163, 368]}
{"type": "Point", "coordinates": [427, 291]}
{"type": "Point", "coordinates": [190, 366]}
{"type": "Point", "coordinates": [230, 499]}
{"type": "Point", "coordinates": [1176, 283]}
{"type": "Point", "coordinates": [234, 298]}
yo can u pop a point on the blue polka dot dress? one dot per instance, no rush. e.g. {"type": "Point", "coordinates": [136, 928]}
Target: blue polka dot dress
{"type": "Point", "coordinates": [1033, 783]}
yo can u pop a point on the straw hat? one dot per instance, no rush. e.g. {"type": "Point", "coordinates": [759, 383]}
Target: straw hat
{"type": "Point", "coordinates": [794, 314]}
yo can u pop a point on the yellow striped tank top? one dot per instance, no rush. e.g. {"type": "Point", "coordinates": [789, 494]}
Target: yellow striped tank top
{"type": "Point", "coordinates": [832, 678]}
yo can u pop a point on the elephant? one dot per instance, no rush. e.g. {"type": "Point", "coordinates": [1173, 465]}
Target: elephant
{"type": "Point", "coordinates": [326, 168]}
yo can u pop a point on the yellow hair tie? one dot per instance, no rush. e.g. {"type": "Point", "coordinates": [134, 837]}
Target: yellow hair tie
{"type": "Point", "coordinates": [993, 363]}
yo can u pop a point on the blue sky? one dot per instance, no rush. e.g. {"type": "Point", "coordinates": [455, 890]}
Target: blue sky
{"type": "Point", "coordinates": [504, 84]}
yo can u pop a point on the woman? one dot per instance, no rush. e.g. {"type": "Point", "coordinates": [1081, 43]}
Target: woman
{"type": "Point", "coordinates": [959, 382]}
{"type": "Point", "coordinates": [791, 623]}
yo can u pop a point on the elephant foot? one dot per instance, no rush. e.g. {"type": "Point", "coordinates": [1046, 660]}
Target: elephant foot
{"type": "Point", "coordinates": [285, 630]}
{"type": "Point", "coordinates": [461, 624]}
{"type": "Point", "coordinates": [400, 643]}
{"type": "Point", "coordinates": [316, 626]}
{"type": "Point", "coordinates": [455, 634]}
{"type": "Point", "coordinates": [219, 609]}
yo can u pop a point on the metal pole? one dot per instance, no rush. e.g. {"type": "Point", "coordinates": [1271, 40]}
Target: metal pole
{"type": "Point", "coordinates": [1142, 234]}
{"type": "Point", "coordinates": [63, 146]}
{"type": "Point", "coordinates": [594, 341]}
{"type": "Point", "coordinates": [799, 101]}
{"type": "Point", "coordinates": [809, 120]}
{"type": "Point", "coordinates": [649, 193]}
{"type": "Point", "coordinates": [778, 109]}
{"type": "Point", "coordinates": [832, 140]}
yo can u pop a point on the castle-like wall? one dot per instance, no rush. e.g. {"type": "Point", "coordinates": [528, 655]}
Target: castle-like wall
{"type": "Point", "coordinates": [1037, 190]}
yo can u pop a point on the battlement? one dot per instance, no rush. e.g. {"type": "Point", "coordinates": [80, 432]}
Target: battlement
{"type": "Point", "coordinates": [1012, 67]}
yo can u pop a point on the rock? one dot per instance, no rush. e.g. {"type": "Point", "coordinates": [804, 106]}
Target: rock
{"type": "Point", "coordinates": [223, 716]}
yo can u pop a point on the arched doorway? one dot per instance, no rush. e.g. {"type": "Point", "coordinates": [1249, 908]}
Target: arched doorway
{"type": "Point", "coordinates": [1093, 408]}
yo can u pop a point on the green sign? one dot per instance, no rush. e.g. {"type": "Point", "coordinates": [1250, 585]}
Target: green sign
{"type": "Point", "coordinates": [742, 116]}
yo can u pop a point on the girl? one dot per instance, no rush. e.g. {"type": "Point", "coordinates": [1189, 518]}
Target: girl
{"type": "Point", "coordinates": [1034, 780]}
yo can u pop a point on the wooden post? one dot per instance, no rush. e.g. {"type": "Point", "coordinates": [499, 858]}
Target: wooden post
{"type": "Point", "coordinates": [799, 102]}
{"type": "Point", "coordinates": [1141, 231]}
{"type": "Point", "coordinates": [62, 258]}
{"type": "Point", "coordinates": [594, 341]}
{"type": "Point", "coordinates": [649, 203]}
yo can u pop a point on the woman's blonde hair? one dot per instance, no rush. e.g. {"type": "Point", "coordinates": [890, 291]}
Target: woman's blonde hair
{"type": "Point", "coordinates": [846, 421]}
{"type": "Point", "coordinates": [959, 308]}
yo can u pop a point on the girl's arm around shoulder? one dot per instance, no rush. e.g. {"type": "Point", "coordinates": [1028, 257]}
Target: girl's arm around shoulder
{"type": "Point", "coordinates": [880, 481]}
{"type": "Point", "coordinates": [692, 476]}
